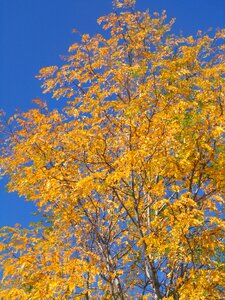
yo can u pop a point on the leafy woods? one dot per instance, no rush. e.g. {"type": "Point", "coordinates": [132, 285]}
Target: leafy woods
{"type": "Point", "coordinates": [128, 177]}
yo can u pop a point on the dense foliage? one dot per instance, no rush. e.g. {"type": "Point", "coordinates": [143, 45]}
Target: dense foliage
{"type": "Point", "coordinates": [129, 177]}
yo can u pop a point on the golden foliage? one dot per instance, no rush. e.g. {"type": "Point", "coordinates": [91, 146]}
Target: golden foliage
{"type": "Point", "coordinates": [129, 178]}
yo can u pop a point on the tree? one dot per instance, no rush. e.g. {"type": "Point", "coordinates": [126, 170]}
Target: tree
{"type": "Point", "coordinates": [129, 177]}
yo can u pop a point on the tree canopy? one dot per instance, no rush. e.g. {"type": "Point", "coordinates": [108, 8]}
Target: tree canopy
{"type": "Point", "coordinates": [128, 177]}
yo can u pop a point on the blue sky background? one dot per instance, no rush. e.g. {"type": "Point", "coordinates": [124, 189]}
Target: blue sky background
{"type": "Point", "coordinates": [34, 33]}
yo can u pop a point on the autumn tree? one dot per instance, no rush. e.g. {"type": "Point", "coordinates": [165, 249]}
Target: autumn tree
{"type": "Point", "coordinates": [129, 176]}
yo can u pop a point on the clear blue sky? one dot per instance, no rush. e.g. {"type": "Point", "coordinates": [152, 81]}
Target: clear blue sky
{"type": "Point", "coordinates": [33, 34]}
